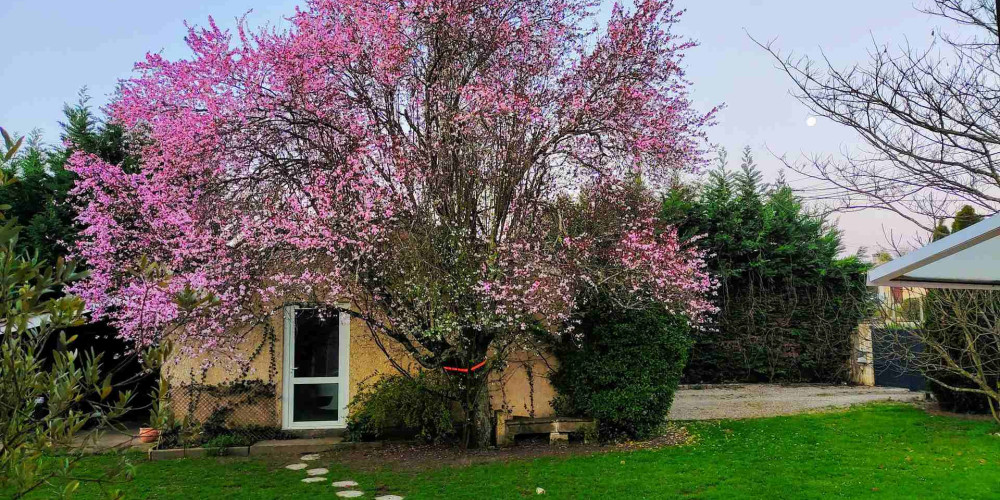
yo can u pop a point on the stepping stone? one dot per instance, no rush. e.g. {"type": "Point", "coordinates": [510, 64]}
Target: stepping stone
{"type": "Point", "coordinates": [317, 472]}
{"type": "Point", "coordinates": [313, 479]}
{"type": "Point", "coordinates": [389, 497]}
{"type": "Point", "coordinates": [310, 457]}
{"type": "Point", "coordinates": [350, 493]}
{"type": "Point", "coordinates": [296, 466]}
{"type": "Point", "coordinates": [345, 484]}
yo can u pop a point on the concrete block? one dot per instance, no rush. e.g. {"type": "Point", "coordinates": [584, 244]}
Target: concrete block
{"type": "Point", "coordinates": [166, 454]}
{"type": "Point", "coordinates": [558, 438]}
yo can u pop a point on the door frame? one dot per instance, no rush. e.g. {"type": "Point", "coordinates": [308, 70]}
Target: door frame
{"type": "Point", "coordinates": [288, 381]}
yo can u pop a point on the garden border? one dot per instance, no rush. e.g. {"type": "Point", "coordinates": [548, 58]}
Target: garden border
{"type": "Point", "coordinates": [264, 448]}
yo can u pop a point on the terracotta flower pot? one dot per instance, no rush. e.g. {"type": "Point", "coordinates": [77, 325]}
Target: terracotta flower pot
{"type": "Point", "coordinates": [148, 434]}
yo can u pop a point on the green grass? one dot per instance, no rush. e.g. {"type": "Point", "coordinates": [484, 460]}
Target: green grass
{"type": "Point", "coordinates": [888, 451]}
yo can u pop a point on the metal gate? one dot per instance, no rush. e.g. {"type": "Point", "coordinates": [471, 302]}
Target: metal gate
{"type": "Point", "coordinates": [888, 371]}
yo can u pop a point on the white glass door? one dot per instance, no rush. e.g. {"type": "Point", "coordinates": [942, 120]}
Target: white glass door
{"type": "Point", "coordinates": [315, 388]}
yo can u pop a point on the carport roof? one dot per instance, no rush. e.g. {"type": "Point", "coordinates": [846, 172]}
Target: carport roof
{"type": "Point", "coordinates": [969, 258]}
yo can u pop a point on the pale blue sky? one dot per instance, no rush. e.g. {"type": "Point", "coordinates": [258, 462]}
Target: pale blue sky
{"type": "Point", "coordinates": [50, 49]}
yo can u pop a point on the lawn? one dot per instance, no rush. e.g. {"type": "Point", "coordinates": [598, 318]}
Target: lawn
{"type": "Point", "coordinates": [880, 450]}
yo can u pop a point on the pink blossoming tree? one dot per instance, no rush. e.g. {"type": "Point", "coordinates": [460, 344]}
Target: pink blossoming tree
{"type": "Point", "coordinates": [414, 157]}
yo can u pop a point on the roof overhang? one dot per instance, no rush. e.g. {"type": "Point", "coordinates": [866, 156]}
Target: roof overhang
{"type": "Point", "coordinates": [968, 259]}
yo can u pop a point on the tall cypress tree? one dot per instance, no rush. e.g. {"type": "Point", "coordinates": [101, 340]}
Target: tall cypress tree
{"type": "Point", "coordinates": [788, 301]}
{"type": "Point", "coordinates": [39, 199]}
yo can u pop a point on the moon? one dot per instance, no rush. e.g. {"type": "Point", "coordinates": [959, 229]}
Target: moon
{"type": "Point", "coordinates": [811, 121]}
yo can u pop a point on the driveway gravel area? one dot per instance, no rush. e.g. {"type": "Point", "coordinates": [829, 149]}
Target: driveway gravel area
{"type": "Point", "coordinates": [707, 402]}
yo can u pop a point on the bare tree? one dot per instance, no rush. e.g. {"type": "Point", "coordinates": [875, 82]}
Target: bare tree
{"type": "Point", "coordinates": [958, 347]}
{"type": "Point", "coordinates": [929, 120]}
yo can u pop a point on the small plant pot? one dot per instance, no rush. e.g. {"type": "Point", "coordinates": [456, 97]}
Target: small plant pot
{"type": "Point", "coordinates": [148, 434]}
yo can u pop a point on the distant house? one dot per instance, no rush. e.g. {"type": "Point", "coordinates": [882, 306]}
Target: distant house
{"type": "Point", "coordinates": [899, 305]}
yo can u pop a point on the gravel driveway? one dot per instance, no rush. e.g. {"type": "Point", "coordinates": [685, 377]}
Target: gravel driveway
{"type": "Point", "coordinates": [764, 400]}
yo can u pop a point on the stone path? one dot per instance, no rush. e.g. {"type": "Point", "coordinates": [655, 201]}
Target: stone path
{"type": "Point", "coordinates": [710, 402]}
{"type": "Point", "coordinates": [317, 475]}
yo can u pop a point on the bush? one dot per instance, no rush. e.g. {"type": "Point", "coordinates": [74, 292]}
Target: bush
{"type": "Point", "coordinates": [955, 401]}
{"type": "Point", "coordinates": [401, 406]}
{"type": "Point", "coordinates": [910, 309]}
{"type": "Point", "coordinates": [623, 371]}
{"type": "Point", "coordinates": [944, 327]}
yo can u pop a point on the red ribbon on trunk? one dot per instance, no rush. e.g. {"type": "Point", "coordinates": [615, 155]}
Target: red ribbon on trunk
{"type": "Point", "coordinates": [465, 370]}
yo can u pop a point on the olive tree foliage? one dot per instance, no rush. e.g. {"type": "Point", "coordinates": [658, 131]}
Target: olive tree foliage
{"type": "Point", "coordinates": [927, 119]}
{"type": "Point", "coordinates": [49, 396]}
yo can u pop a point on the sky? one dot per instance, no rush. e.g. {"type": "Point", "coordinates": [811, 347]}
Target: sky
{"type": "Point", "coordinates": [50, 50]}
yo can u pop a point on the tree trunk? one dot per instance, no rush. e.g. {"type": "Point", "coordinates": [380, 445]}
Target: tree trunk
{"type": "Point", "coordinates": [478, 429]}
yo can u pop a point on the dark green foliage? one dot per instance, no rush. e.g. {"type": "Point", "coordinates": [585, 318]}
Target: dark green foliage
{"type": "Point", "coordinates": [400, 406]}
{"type": "Point", "coordinates": [215, 424]}
{"type": "Point", "coordinates": [623, 371]}
{"type": "Point", "coordinates": [219, 445]}
{"type": "Point", "coordinates": [788, 301]}
{"type": "Point", "coordinates": [217, 432]}
{"type": "Point", "coordinates": [965, 217]}
{"type": "Point", "coordinates": [245, 435]}
{"type": "Point", "coordinates": [910, 309]}
{"type": "Point", "coordinates": [39, 201]}
{"type": "Point", "coordinates": [940, 232]}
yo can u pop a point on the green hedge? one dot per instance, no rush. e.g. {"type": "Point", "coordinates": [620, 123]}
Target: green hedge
{"type": "Point", "coordinates": [622, 369]}
{"type": "Point", "coordinates": [788, 300]}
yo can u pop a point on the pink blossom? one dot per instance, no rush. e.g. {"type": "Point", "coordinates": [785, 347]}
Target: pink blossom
{"type": "Point", "coordinates": [314, 163]}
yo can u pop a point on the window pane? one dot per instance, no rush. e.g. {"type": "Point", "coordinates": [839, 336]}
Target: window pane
{"type": "Point", "coordinates": [317, 343]}
{"type": "Point", "coordinates": [315, 402]}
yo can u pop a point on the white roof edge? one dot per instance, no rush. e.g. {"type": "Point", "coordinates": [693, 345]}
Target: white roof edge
{"type": "Point", "coordinates": [886, 274]}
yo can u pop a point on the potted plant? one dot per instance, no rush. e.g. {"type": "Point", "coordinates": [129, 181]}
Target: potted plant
{"type": "Point", "coordinates": [148, 434]}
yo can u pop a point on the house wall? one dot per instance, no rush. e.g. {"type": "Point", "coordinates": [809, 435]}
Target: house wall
{"type": "Point", "coordinates": [523, 389]}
